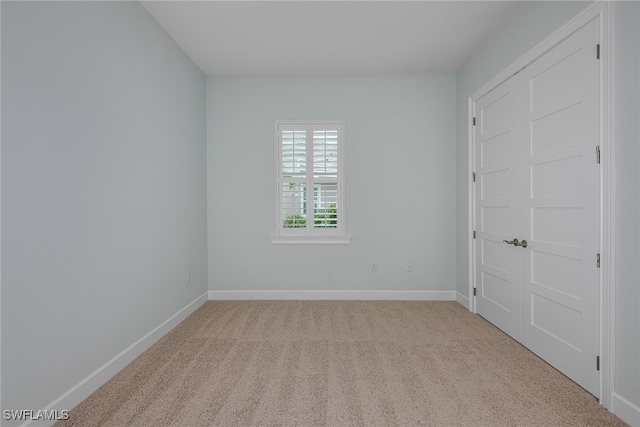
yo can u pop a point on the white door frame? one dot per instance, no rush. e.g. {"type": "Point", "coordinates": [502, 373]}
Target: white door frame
{"type": "Point", "coordinates": [604, 11]}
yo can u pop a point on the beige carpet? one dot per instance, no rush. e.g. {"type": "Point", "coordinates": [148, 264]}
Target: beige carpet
{"type": "Point", "coordinates": [338, 363]}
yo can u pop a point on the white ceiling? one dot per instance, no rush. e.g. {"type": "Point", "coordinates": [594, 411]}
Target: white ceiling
{"type": "Point", "coordinates": [239, 38]}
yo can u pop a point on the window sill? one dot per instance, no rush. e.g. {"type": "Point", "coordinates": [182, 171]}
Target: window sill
{"type": "Point", "coordinates": [310, 240]}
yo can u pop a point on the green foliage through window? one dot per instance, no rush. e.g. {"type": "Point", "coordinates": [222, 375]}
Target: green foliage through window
{"type": "Point", "coordinates": [326, 218]}
{"type": "Point", "coordinates": [323, 218]}
{"type": "Point", "coordinates": [295, 221]}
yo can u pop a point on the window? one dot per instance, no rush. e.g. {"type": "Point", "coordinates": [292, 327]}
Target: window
{"type": "Point", "coordinates": [310, 182]}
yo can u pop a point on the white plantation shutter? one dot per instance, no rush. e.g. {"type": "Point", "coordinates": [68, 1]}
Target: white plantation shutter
{"type": "Point", "coordinates": [294, 153]}
{"type": "Point", "coordinates": [310, 179]}
{"type": "Point", "coordinates": [326, 206]}
{"type": "Point", "coordinates": [294, 173]}
{"type": "Point", "coordinates": [325, 174]}
{"type": "Point", "coordinates": [325, 154]}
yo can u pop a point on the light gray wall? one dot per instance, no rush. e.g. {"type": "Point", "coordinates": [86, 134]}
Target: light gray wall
{"type": "Point", "coordinates": [103, 189]}
{"type": "Point", "coordinates": [627, 214]}
{"type": "Point", "coordinates": [529, 25]}
{"type": "Point", "coordinates": [400, 182]}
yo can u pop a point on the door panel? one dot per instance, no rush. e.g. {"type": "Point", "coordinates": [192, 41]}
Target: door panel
{"type": "Point", "coordinates": [558, 225]}
{"type": "Point", "coordinates": [545, 182]}
{"type": "Point", "coordinates": [557, 319]}
{"type": "Point", "coordinates": [497, 148]}
{"type": "Point", "coordinates": [557, 272]}
{"type": "Point", "coordinates": [558, 78]}
{"type": "Point", "coordinates": [553, 131]}
{"type": "Point", "coordinates": [560, 207]}
{"type": "Point", "coordinates": [495, 185]}
{"type": "Point", "coordinates": [495, 255]}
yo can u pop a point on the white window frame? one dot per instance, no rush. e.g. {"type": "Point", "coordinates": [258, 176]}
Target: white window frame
{"type": "Point", "coordinates": [310, 234]}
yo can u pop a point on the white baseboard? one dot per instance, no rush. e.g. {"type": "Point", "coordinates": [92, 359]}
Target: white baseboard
{"type": "Point", "coordinates": [627, 411]}
{"type": "Point", "coordinates": [462, 300]}
{"type": "Point", "coordinates": [86, 387]}
{"type": "Point", "coordinates": [335, 295]}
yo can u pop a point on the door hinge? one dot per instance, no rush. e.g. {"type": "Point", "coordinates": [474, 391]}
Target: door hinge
{"type": "Point", "coordinates": [598, 51]}
{"type": "Point", "coordinates": [474, 234]}
{"type": "Point", "coordinates": [473, 174]}
{"type": "Point", "coordinates": [598, 261]}
{"type": "Point", "coordinates": [597, 363]}
{"type": "Point", "coordinates": [474, 291]}
{"type": "Point", "coordinates": [597, 154]}
{"type": "Point", "coordinates": [474, 121]}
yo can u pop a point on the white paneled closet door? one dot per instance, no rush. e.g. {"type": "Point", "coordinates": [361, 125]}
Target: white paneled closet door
{"type": "Point", "coordinates": [498, 271]}
{"type": "Point", "coordinates": [542, 187]}
{"type": "Point", "coordinates": [561, 206]}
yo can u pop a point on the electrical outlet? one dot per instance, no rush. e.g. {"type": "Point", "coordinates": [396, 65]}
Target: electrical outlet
{"type": "Point", "coordinates": [188, 277]}
{"type": "Point", "coordinates": [374, 266]}
{"type": "Point", "coordinates": [409, 266]}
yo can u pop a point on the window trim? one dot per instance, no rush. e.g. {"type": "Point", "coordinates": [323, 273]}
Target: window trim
{"type": "Point", "coordinates": [308, 236]}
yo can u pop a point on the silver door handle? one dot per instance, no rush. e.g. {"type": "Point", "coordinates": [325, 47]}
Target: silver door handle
{"type": "Point", "coordinates": [516, 242]}
{"type": "Point", "coordinates": [523, 244]}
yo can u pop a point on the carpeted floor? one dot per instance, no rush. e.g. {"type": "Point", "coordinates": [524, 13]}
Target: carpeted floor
{"type": "Point", "coordinates": [338, 363]}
